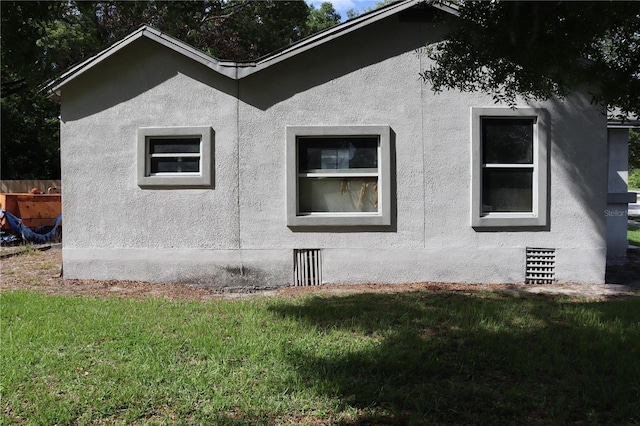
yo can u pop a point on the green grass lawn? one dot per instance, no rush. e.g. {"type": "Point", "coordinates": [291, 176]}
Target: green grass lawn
{"type": "Point", "coordinates": [408, 358]}
{"type": "Point", "coordinates": [633, 235]}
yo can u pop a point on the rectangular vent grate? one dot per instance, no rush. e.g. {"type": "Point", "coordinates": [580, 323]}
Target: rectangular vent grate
{"type": "Point", "coordinates": [307, 267]}
{"type": "Point", "coordinates": [541, 264]}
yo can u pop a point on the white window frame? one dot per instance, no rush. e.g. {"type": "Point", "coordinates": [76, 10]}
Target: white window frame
{"type": "Point", "coordinates": [380, 218]}
{"type": "Point", "coordinates": [202, 178]}
{"type": "Point", "coordinates": [540, 190]}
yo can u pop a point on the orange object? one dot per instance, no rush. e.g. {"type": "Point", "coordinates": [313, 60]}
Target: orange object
{"type": "Point", "coordinates": [33, 209]}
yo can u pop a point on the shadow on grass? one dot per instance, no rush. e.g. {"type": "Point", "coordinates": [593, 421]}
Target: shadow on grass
{"type": "Point", "coordinates": [473, 359]}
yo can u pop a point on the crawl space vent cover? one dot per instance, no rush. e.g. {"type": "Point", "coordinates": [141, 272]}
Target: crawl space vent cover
{"type": "Point", "coordinates": [307, 267]}
{"type": "Point", "coordinates": [541, 264]}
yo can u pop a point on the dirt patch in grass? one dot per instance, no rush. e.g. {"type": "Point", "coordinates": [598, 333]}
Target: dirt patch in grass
{"type": "Point", "coordinates": [36, 270]}
{"type": "Point", "coordinates": [41, 271]}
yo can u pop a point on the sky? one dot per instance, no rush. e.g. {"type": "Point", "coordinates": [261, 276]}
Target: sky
{"type": "Point", "coordinates": [341, 6]}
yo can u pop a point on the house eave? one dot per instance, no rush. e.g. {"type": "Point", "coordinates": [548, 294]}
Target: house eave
{"type": "Point", "coordinates": [238, 70]}
{"type": "Point", "coordinates": [623, 125]}
{"type": "Point", "coordinates": [226, 68]}
{"type": "Point", "coordinates": [341, 30]}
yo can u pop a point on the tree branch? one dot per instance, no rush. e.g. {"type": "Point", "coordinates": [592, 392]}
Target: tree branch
{"type": "Point", "coordinates": [9, 88]}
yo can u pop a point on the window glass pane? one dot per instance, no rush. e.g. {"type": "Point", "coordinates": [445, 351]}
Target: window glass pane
{"type": "Point", "coordinates": [507, 190]}
{"type": "Point", "coordinates": [174, 146]}
{"type": "Point", "coordinates": [337, 153]}
{"type": "Point", "coordinates": [175, 165]}
{"type": "Point", "coordinates": [507, 141]}
{"type": "Point", "coordinates": [338, 195]}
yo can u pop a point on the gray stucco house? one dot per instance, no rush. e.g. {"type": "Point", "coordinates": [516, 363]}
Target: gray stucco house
{"type": "Point", "coordinates": [329, 161]}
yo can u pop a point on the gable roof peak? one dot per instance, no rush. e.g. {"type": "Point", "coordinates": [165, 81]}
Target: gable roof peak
{"type": "Point", "coordinates": [238, 69]}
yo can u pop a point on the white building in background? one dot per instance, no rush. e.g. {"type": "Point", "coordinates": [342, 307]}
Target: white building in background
{"type": "Point", "coordinates": [619, 198]}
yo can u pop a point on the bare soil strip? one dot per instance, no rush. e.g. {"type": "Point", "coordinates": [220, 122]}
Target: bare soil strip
{"type": "Point", "coordinates": [40, 270]}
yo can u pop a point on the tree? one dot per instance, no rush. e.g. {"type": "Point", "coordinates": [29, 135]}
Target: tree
{"type": "Point", "coordinates": [30, 132]}
{"type": "Point", "coordinates": [30, 129]}
{"type": "Point", "coordinates": [42, 39]}
{"type": "Point", "coordinates": [634, 159]}
{"type": "Point", "coordinates": [322, 18]}
{"type": "Point", "coordinates": [257, 28]}
{"type": "Point", "coordinates": [634, 149]}
{"type": "Point", "coordinates": [353, 13]}
{"type": "Point", "coordinates": [540, 50]}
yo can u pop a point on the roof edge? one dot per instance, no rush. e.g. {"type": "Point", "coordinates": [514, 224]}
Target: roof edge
{"type": "Point", "coordinates": [341, 30]}
{"type": "Point", "coordinates": [223, 67]}
{"type": "Point", "coordinates": [238, 70]}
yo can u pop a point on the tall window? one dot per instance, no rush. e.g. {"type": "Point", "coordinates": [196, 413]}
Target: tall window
{"type": "Point", "coordinates": [509, 167]}
{"type": "Point", "coordinates": [175, 156]}
{"type": "Point", "coordinates": [338, 175]}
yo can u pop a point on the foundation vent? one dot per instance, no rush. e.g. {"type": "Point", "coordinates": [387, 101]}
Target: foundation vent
{"type": "Point", "coordinates": [541, 264]}
{"type": "Point", "coordinates": [307, 267]}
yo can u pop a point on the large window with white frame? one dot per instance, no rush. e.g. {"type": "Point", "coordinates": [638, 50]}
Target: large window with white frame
{"type": "Point", "coordinates": [338, 175]}
{"type": "Point", "coordinates": [509, 179]}
{"type": "Point", "coordinates": [175, 156]}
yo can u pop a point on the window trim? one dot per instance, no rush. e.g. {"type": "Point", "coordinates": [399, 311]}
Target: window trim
{"type": "Point", "coordinates": [380, 218]}
{"type": "Point", "coordinates": [538, 217]}
{"type": "Point", "coordinates": [203, 178]}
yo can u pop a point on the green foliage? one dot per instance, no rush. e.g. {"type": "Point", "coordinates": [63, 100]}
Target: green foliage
{"type": "Point", "coordinates": [634, 150]}
{"type": "Point", "coordinates": [255, 28]}
{"type": "Point", "coordinates": [634, 179]}
{"type": "Point", "coordinates": [29, 129]}
{"type": "Point", "coordinates": [322, 18]}
{"type": "Point", "coordinates": [29, 133]}
{"type": "Point", "coordinates": [503, 48]}
{"type": "Point", "coordinates": [42, 39]}
{"type": "Point", "coordinates": [539, 50]}
{"type": "Point", "coordinates": [408, 358]}
{"type": "Point", "coordinates": [353, 13]}
{"type": "Point", "coordinates": [633, 235]}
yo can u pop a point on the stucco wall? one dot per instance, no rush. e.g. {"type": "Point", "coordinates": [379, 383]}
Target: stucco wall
{"type": "Point", "coordinates": [236, 235]}
{"type": "Point", "coordinates": [145, 86]}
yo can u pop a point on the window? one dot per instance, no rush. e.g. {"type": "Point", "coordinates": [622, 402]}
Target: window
{"type": "Point", "coordinates": [338, 176]}
{"type": "Point", "coordinates": [175, 156]}
{"type": "Point", "coordinates": [509, 183]}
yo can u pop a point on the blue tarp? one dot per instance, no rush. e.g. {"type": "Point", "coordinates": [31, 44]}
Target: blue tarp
{"type": "Point", "coordinates": [29, 234]}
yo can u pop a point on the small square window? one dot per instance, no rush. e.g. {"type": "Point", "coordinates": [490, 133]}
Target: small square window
{"type": "Point", "coordinates": [175, 156]}
{"type": "Point", "coordinates": [509, 182]}
{"type": "Point", "coordinates": [338, 176]}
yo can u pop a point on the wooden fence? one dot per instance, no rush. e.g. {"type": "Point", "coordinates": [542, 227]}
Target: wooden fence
{"type": "Point", "coordinates": [24, 186]}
